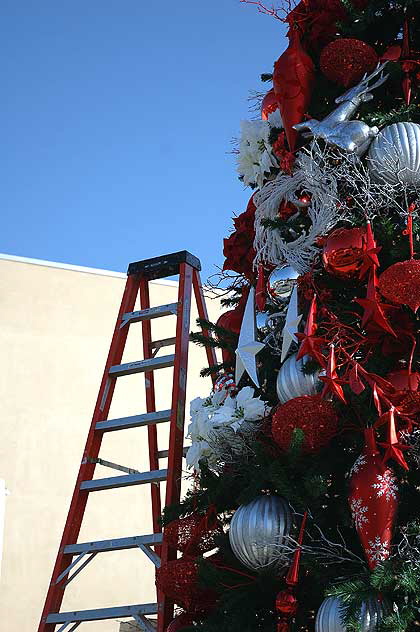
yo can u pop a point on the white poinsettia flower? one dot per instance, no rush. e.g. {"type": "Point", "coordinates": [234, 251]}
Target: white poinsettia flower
{"type": "Point", "coordinates": [275, 120]}
{"type": "Point", "coordinates": [255, 157]}
{"type": "Point", "coordinates": [223, 417]}
{"type": "Point", "coordinates": [216, 418]}
{"type": "Point", "coordinates": [196, 452]}
{"type": "Point", "coordinates": [200, 425]}
{"type": "Point", "coordinates": [230, 402]}
{"type": "Point", "coordinates": [196, 405]}
{"type": "Point", "coordinates": [218, 397]}
{"type": "Point", "coordinates": [250, 407]}
{"type": "Point", "coordinates": [267, 161]}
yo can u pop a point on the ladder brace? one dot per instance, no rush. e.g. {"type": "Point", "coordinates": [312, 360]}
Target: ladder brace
{"type": "Point", "coordinates": [144, 623]}
{"type": "Point", "coordinates": [63, 627]}
{"type": "Point", "coordinates": [114, 466]}
{"type": "Point", "coordinates": [150, 554]}
{"type": "Point", "coordinates": [73, 564]}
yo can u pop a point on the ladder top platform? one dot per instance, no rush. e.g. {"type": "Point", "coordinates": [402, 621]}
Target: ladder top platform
{"type": "Point", "coordinates": [163, 266]}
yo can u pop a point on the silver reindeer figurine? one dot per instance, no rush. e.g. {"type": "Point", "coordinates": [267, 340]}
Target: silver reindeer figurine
{"type": "Point", "coordinates": [337, 128]}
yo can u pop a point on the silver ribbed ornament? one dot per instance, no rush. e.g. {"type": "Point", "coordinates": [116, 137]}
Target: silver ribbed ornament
{"type": "Point", "coordinates": [394, 155]}
{"type": "Point", "coordinates": [329, 615]}
{"type": "Point", "coordinates": [292, 382]}
{"type": "Point", "coordinates": [280, 283]}
{"type": "Point", "coordinates": [258, 531]}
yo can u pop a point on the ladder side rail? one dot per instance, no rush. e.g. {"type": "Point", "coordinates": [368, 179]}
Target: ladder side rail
{"type": "Point", "coordinates": [149, 382]}
{"type": "Point", "coordinates": [55, 592]}
{"type": "Point", "coordinates": [176, 433]}
{"type": "Point", "coordinates": [203, 315]}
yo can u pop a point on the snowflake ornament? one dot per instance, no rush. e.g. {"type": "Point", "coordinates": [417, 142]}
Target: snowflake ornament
{"type": "Point", "coordinates": [358, 464]}
{"type": "Point", "coordinates": [378, 551]}
{"type": "Point", "coordinates": [358, 511]}
{"type": "Point", "coordinates": [386, 486]}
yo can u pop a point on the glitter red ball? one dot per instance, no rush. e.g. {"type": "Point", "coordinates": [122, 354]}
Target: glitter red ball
{"type": "Point", "coordinates": [193, 535]}
{"type": "Point", "coordinates": [310, 413]}
{"type": "Point", "coordinates": [178, 580]}
{"type": "Point", "coordinates": [343, 253]}
{"type": "Point", "coordinates": [400, 283]}
{"type": "Point", "coordinates": [346, 60]}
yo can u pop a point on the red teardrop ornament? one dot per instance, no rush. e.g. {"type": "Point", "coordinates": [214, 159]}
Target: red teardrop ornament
{"type": "Point", "coordinates": [293, 79]}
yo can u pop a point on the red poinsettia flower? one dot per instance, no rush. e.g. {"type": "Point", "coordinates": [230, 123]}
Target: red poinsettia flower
{"type": "Point", "coordinates": [238, 248]}
{"type": "Point", "coordinates": [286, 158]}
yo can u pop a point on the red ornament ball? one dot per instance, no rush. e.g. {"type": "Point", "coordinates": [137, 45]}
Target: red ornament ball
{"type": "Point", "coordinates": [404, 380]}
{"type": "Point", "coordinates": [407, 386]}
{"type": "Point", "coordinates": [344, 252]}
{"type": "Point", "coordinates": [269, 104]}
{"type": "Point", "coordinates": [346, 60]}
{"type": "Point", "coordinates": [400, 283]}
{"type": "Point", "coordinates": [310, 413]}
{"type": "Point", "coordinates": [179, 581]}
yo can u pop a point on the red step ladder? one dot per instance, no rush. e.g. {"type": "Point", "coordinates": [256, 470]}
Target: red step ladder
{"type": "Point", "coordinates": [73, 556]}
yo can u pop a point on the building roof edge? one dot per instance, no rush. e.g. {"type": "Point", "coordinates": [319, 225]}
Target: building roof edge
{"type": "Point", "coordinates": [76, 268]}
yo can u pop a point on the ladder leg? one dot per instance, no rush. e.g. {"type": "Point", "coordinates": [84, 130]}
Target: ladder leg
{"type": "Point", "coordinates": [202, 313]}
{"type": "Point", "coordinates": [151, 407]}
{"type": "Point", "coordinates": [78, 503]}
{"type": "Point", "coordinates": [176, 435]}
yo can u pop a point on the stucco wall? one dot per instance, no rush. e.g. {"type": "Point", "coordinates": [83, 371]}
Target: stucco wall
{"type": "Point", "coordinates": [55, 329]}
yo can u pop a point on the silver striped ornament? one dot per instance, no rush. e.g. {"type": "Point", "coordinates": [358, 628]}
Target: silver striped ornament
{"type": "Point", "coordinates": [394, 155]}
{"type": "Point", "coordinates": [292, 382]}
{"type": "Point", "coordinates": [328, 618]}
{"type": "Point", "coordinates": [258, 530]}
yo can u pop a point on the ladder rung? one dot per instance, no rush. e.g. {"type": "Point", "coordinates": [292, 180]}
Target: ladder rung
{"type": "Point", "coordinates": [134, 421]}
{"type": "Point", "coordinates": [149, 314]}
{"type": "Point", "coordinates": [98, 484]}
{"type": "Point", "coordinates": [142, 366]}
{"type": "Point", "coordinates": [117, 544]}
{"type": "Point", "coordinates": [163, 454]}
{"type": "Point", "coordinates": [100, 614]}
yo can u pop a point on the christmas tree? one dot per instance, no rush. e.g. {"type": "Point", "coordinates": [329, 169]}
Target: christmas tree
{"type": "Point", "coordinates": [304, 512]}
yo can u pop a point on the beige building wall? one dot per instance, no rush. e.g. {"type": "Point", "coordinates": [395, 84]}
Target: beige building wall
{"type": "Point", "coordinates": [56, 324]}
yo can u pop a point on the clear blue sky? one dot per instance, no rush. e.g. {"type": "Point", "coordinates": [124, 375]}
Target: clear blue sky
{"type": "Point", "coordinates": [116, 119]}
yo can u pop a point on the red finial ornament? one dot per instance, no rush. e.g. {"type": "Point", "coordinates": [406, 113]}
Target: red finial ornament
{"type": "Point", "coordinates": [286, 602]}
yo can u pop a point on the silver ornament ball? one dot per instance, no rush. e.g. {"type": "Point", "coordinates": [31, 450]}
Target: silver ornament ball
{"type": "Point", "coordinates": [394, 155]}
{"type": "Point", "coordinates": [292, 382]}
{"type": "Point", "coordinates": [280, 283]}
{"type": "Point", "coordinates": [329, 615]}
{"type": "Point", "coordinates": [261, 319]}
{"type": "Point", "coordinates": [259, 530]}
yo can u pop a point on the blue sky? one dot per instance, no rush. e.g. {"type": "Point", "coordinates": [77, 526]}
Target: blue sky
{"type": "Point", "coordinates": [117, 117]}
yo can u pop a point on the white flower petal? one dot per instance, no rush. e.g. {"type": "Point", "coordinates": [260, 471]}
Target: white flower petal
{"type": "Point", "coordinates": [275, 120]}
